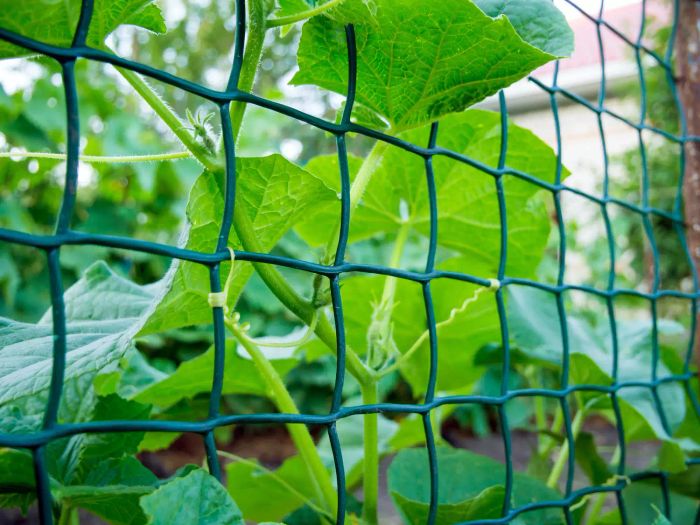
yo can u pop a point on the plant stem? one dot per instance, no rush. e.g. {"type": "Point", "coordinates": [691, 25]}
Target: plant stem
{"type": "Point", "coordinates": [380, 333]}
{"type": "Point", "coordinates": [299, 432]}
{"type": "Point", "coordinates": [370, 482]}
{"type": "Point", "coordinates": [359, 185]}
{"type": "Point", "coordinates": [562, 458]}
{"type": "Point", "coordinates": [286, 294]}
{"type": "Point", "coordinates": [548, 443]}
{"type": "Point", "coordinates": [244, 227]}
{"type": "Point", "coordinates": [170, 118]}
{"type": "Point", "coordinates": [69, 516]}
{"type": "Point", "coordinates": [597, 506]}
{"type": "Point", "coordinates": [395, 261]}
{"type": "Point", "coordinates": [98, 159]}
{"type": "Point", "coordinates": [380, 346]}
{"type": "Point", "coordinates": [531, 373]}
{"type": "Point", "coordinates": [286, 20]}
{"type": "Point", "coordinates": [251, 59]}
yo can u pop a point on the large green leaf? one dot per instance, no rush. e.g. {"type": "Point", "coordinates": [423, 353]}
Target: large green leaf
{"type": "Point", "coordinates": [469, 229]}
{"type": "Point", "coordinates": [103, 312]}
{"type": "Point", "coordinates": [420, 60]}
{"type": "Point", "coordinates": [195, 377]}
{"type": "Point", "coordinates": [470, 487]}
{"type": "Point", "coordinates": [194, 499]}
{"type": "Point", "coordinates": [468, 216]}
{"type": "Point", "coordinates": [533, 321]}
{"type": "Point", "coordinates": [54, 21]}
{"type": "Point", "coordinates": [275, 195]}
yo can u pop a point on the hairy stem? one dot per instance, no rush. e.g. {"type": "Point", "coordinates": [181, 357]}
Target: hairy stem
{"type": "Point", "coordinates": [298, 17]}
{"type": "Point", "coordinates": [251, 58]}
{"type": "Point", "coordinates": [563, 456]}
{"type": "Point", "coordinates": [242, 224]}
{"type": "Point", "coordinates": [379, 342]}
{"type": "Point", "coordinates": [170, 118]}
{"type": "Point", "coordinates": [98, 159]}
{"type": "Point", "coordinates": [303, 441]}
{"type": "Point", "coordinates": [370, 482]}
{"type": "Point", "coordinates": [380, 345]}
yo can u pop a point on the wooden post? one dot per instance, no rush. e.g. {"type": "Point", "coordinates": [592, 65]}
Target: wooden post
{"type": "Point", "coordinates": [688, 70]}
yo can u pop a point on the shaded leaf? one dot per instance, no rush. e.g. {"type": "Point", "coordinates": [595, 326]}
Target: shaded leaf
{"type": "Point", "coordinates": [671, 458]}
{"type": "Point", "coordinates": [534, 324]}
{"type": "Point", "coordinates": [72, 459]}
{"type": "Point", "coordinates": [112, 490]}
{"type": "Point", "coordinates": [103, 312]}
{"type": "Point", "coordinates": [16, 479]}
{"type": "Point", "coordinates": [643, 498]}
{"type": "Point", "coordinates": [588, 458]}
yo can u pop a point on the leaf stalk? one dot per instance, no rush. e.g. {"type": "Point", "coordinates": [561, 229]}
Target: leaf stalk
{"type": "Point", "coordinates": [300, 434]}
{"type": "Point", "coordinates": [370, 482]}
{"type": "Point", "coordinates": [98, 159]}
{"type": "Point", "coordinates": [286, 20]}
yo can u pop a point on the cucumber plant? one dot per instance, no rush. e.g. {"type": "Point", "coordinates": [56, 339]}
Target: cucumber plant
{"type": "Point", "coordinates": [420, 67]}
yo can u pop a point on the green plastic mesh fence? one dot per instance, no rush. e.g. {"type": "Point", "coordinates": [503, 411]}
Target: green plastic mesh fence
{"type": "Point", "coordinates": [51, 245]}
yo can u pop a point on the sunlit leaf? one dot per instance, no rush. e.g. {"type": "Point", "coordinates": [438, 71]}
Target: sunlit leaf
{"type": "Point", "coordinates": [420, 60]}
{"type": "Point", "coordinates": [275, 194]}
{"type": "Point", "coordinates": [54, 22]}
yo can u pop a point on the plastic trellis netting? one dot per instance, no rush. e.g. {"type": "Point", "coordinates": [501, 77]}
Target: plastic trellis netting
{"type": "Point", "coordinates": [51, 245]}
